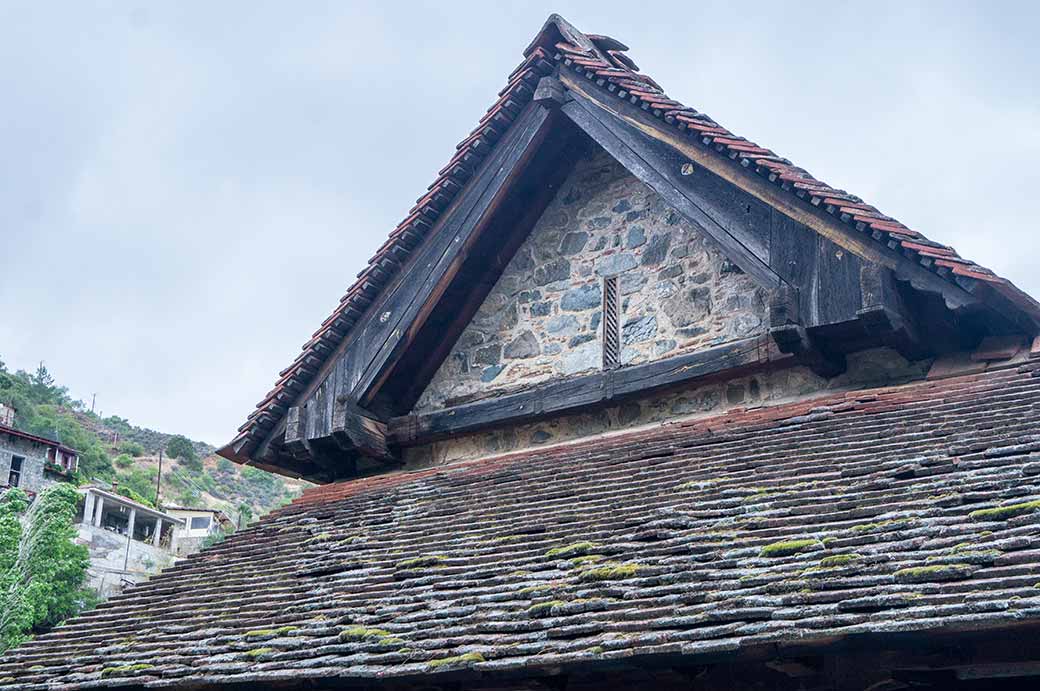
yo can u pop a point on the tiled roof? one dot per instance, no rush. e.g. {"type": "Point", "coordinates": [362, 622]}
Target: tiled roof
{"type": "Point", "coordinates": [603, 61]}
{"type": "Point", "coordinates": [4, 429]}
{"type": "Point", "coordinates": [909, 508]}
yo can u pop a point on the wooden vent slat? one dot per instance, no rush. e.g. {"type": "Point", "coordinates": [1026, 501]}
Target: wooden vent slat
{"type": "Point", "coordinates": [611, 323]}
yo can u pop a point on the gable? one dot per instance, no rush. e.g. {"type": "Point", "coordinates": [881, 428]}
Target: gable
{"type": "Point", "coordinates": [840, 276]}
{"type": "Point", "coordinates": [543, 318]}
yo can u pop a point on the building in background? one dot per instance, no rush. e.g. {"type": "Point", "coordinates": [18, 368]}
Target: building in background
{"type": "Point", "coordinates": [128, 541]}
{"type": "Point", "coordinates": [29, 461]}
{"type": "Point", "coordinates": [200, 525]}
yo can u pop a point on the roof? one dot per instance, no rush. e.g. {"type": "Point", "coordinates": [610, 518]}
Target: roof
{"type": "Point", "coordinates": [137, 506]}
{"type": "Point", "coordinates": [4, 429]}
{"type": "Point", "coordinates": [908, 508]}
{"type": "Point", "coordinates": [220, 514]}
{"type": "Point", "coordinates": [604, 62]}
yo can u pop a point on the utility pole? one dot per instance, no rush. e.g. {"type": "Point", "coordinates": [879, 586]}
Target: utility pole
{"type": "Point", "coordinates": [93, 399]}
{"type": "Point", "coordinates": [158, 479]}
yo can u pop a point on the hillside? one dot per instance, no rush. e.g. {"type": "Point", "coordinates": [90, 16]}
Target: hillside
{"type": "Point", "coordinates": [112, 450]}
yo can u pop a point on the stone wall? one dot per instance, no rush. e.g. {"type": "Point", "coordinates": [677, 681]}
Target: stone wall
{"type": "Point", "coordinates": [867, 368]}
{"type": "Point", "coordinates": [33, 478]}
{"type": "Point", "coordinates": [112, 566]}
{"type": "Point", "coordinates": [542, 319]}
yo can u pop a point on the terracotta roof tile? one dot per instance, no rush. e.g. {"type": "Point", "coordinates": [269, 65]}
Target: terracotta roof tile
{"type": "Point", "coordinates": [907, 507]}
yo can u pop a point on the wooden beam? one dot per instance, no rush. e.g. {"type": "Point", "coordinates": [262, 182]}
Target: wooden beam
{"type": "Point", "coordinates": [885, 315]}
{"type": "Point", "coordinates": [550, 92]}
{"type": "Point", "coordinates": [378, 339]}
{"type": "Point", "coordinates": [366, 432]}
{"type": "Point", "coordinates": [659, 167]}
{"type": "Point", "coordinates": [391, 324]}
{"type": "Point", "coordinates": [761, 189]}
{"type": "Point", "coordinates": [597, 389]}
{"type": "Point", "coordinates": [503, 234]}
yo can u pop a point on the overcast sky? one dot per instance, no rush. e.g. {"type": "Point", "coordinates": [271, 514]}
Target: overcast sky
{"type": "Point", "coordinates": [186, 189]}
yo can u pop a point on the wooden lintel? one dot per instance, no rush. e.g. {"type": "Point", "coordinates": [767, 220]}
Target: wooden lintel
{"type": "Point", "coordinates": [590, 390]}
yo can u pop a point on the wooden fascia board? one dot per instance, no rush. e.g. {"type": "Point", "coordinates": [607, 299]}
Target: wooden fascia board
{"type": "Point", "coordinates": [458, 230]}
{"type": "Point", "coordinates": [778, 199]}
{"type": "Point", "coordinates": [590, 390]}
{"type": "Point", "coordinates": [535, 117]}
{"type": "Point", "coordinates": [633, 151]}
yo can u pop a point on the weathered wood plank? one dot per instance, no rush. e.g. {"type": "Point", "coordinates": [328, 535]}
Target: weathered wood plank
{"type": "Point", "coordinates": [660, 167]}
{"type": "Point", "coordinates": [599, 388]}
{"type": "Point", "coordinates": [390, 325]}
{"type": "Point", "coordinates": [885, 315]}
{"type": "Point", "coordinates": [779, 199]}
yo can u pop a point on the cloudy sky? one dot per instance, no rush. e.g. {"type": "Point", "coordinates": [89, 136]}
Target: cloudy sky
{"type": "Point", "coordinates": [187, 188]}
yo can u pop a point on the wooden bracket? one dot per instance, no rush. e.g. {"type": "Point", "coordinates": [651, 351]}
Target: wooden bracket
{"type": "Point", "coordinates": [364, 430]}
{"type": "Point", "coordinates": [885, 315]}
{"type": "Point", "coordinates": [295, 439]}
{"type": "Point", "coordinates": [550, 92]}
{"type": "Point", "coordinates": [791, 337]}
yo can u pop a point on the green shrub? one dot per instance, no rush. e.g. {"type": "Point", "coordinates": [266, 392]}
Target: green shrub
{"type": "Point", "coordinates": [131, 448]}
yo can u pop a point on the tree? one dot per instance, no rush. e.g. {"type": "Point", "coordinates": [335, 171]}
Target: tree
{"type": "Point", "coordinates": [42, 388]}
{"type": "Point", "coordinates": [180, 447]}
{"type": "Point", "coordinates": [42, 578]}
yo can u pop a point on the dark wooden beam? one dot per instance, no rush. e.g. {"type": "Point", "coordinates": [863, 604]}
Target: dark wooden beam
{"type": "Point", "coordinates": [790, 335]}
{"type": "Point", "coordinates": [504, 233]}
{"type": "Point", "coordinates": [392, 323]}
{"type": "Point", "coordinates": [591, 390]}
{"type": "Point", "coordinates": [661, 168]}
{"type": "Point", "coordinates": [885, 315]}
{"type": "Point", "coordinates": [550, 92]}
{"type": "Point", "coordinates": [779, 199]}
{"type": "Point", "coordinates": [365, 431]}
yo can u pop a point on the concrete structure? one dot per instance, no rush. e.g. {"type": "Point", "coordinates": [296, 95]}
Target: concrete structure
{"type": "Point", "coordinates": [199, 523]}
{"type": "Point", "coordinates": [32, 462]}
{"type": "Point", "coordinates": [128, 541]}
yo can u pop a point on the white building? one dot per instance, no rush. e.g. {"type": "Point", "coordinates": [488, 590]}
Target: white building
{"type": "Point", "coordinates": [199, 523]}
{"type": "Point", "coordinates": [128, 541]}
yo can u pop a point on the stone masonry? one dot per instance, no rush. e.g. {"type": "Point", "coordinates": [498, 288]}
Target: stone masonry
{"type": "Point", "coordinates": [33, 476]}
{"type": "Point", "coordinates": [543, 318]}
{"type": "Point", "coordinates": [875, 367]}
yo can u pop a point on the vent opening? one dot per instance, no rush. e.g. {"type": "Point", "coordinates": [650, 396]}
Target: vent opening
{"type": "Point", "coordinates": [611, 323]}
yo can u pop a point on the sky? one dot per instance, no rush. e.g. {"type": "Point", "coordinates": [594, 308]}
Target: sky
{"type": "Point", "coordinates": [186, 189]}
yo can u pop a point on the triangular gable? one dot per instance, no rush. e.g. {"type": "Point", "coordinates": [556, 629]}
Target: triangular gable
{"type": "Point", "coordinates": [573, 82]}
{"type": "Point", "coordinates": [675, 292]}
